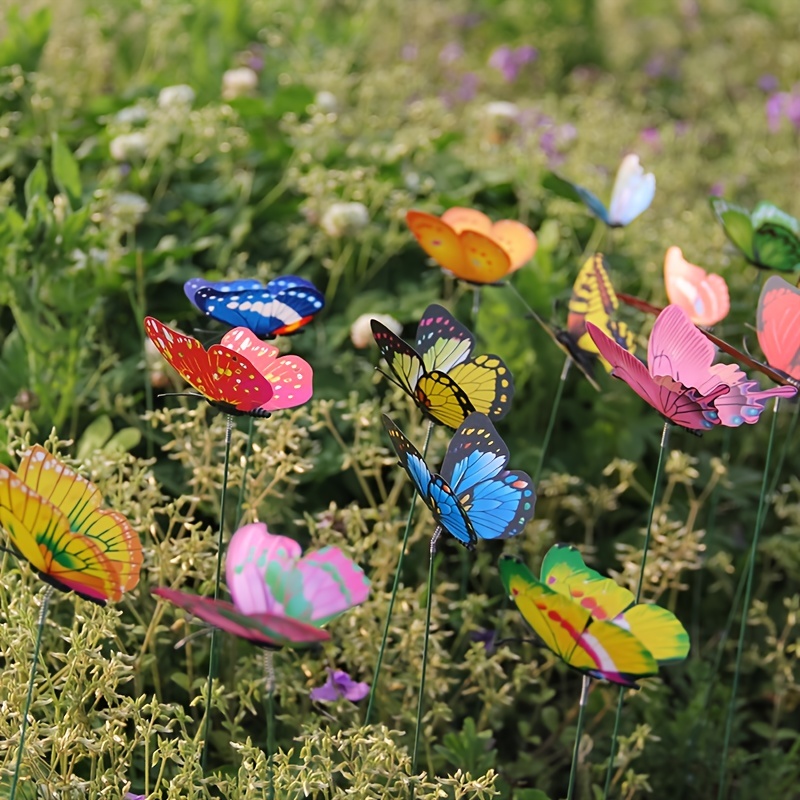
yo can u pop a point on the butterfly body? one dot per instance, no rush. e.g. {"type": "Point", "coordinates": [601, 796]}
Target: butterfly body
{"type": "Point", "coordinates": [54, 520]}
{"type": "Point", "coordinates": [475, 496]}
{"type": "Point", "coordinates": [440, 374]}
{"type": "Point", "coordinates": [281, 307]}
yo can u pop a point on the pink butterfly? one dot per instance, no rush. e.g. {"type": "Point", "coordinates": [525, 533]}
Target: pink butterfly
{"type": "Point", "coordinates": [681, 381]}
{"type": "Point", "coordinates": [703, 295]}
{"type": "Point", "coordinates": [280, 597]}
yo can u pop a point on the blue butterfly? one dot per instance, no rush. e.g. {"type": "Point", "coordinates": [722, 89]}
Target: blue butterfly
{"type": "Point", "coordinates": [632, 193]}
{"type": "Point", "coordinates": [281, 307]}
{"type": "Point", "coordinates": [475, 496]}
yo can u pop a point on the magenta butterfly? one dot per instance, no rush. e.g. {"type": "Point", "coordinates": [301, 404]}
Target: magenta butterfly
{"type": "Point", "coordinates": [280, 596]}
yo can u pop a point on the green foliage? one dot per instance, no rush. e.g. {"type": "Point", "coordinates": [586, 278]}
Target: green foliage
{"type": "Point", "coordinates": [116, 185]}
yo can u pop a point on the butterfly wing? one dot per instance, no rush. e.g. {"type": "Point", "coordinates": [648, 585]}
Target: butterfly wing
{"type": "Point", "coordinates": [433, 489]}
{"type": "Point", "coordinates": [658, 629]}
{"type": "Point", "coordinates": [440, 241]}
{"type": "Point", "coordinates": [518, 240]}
{"type": "Point", "coordinates": [41, 533]}
{"type": "Point", "coordinates": [291, 377]}
{"type": "Point", "coordinates": [594, 300]}
{"type": "Point", "coordinates": [488, 383]}
{"type": "Point", "coordinates": [225, 378]}
{"type": "Point", "coordinates": [442, 341]}
{"type": "Point", "coordinates": [266, 630]}
{"type": "Point", "coordinates": [597, 648]}
{"type": "Point", "coordinates": [737, 225]}
{"type": "Point", "coordinates": [80, 501]}
{"type": "Point", "coordinates": [486, 261]}
{"type": "Point", "coordinates": [402, 359]}
{"type": "Point", "coordinates": [778, 325]}
{"type": "Point", "coordinates": [193, 284]}
{"type": "Point", "coordinates": [576, 193]}
{"type": "Point", "coordinates": [467, 219]}
{"type": "Point", "coordinates": [632, 194]}
{"type": "Point", "coordinates": [564, 571]}
{"type": "Point", "coordinates": [776, 238]}
{"type": "Point", "coordinates": [443, 400]}
{"type": "Point", "coordinates": [498, 502]}
{"type": "Point", "coordinates": [702, 295]}
{"type": "Point", "coordinates": [681, 407]}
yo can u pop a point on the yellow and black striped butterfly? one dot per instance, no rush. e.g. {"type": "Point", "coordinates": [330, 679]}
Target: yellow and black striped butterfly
{"type": "Point", "coordinates": [439, 374]}
{"type": "Point", "coordinates": [593, 300]}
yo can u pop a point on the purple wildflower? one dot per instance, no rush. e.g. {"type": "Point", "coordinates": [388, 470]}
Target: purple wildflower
{"type": "Point", "coordinates": [651, 137]}
{"type": "Point", "coordinates": [409, 52]}
{"type": "Point", "coordinates": [131, 796]}
{"type": "Point", "coordinates": [487, 637]}
{"type": "Point", "coordinates": [717, 189]}
{"type": "Point", "coordinates": [468, 87]}
{"type": "Point", "coordinates": [768, 83]}
{"type": "Point", "coordinates": [339, 684]}
{"type": "Point", "coordinates": [450, 53]}
{"type": "Point", "coordinates": [775, 106]}
{"type": "Point", "coordinates": [509, 62]}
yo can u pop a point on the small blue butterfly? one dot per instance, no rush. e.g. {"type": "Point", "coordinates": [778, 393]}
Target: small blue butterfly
{"type": "Point", "coordinates": [475, 496]}
{"type": "Point", "coordinates": [281, 307]}
{"type": "Point", "coordinates": [632, 193]}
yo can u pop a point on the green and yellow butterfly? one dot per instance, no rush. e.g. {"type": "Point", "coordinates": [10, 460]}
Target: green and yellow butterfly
{"type": "Point", "coordinates": [593, 300]}
{"type": "Point", "coordinates": [768, 238]}
{"type": "Point", "coordinates": [440, 375]}
{"type": "Point", "coordinates": [590, 622]}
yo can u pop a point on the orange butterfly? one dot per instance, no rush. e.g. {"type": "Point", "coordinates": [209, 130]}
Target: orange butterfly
{"type": "Point", "coordinates": [465, 242]}
{"type": "Point", "coordinates": [53, 518]}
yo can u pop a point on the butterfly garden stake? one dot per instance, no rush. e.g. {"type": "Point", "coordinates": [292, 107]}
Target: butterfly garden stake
{"type": "Point", "coordinates": [593, 300]}
{"type": "Point", "coordinates": [592, 624]}
{"type": "Point", "coordinates": [474, 497]}
{"type": "Point", "coordinates": [54, 520]}
{"type": "Point", "coordinates": [465, 243]}
{"type": "Point", "coordinates": [280, 598]}
{"type": "Point", "coordinates": [447, 384]}
{"type": "Point", "coordinates": [688, 389]}
{"type": "Point", "coordinates": [241, 375]}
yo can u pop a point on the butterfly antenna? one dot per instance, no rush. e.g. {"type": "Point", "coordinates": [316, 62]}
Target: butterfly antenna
{"type": "Point", "coordinates": [206, 630]}
{"type": "Point", "coordinates": [181, 394]}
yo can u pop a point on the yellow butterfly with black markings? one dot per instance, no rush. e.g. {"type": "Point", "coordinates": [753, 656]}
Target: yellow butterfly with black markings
{"type": "Point", "coordinates": [440, 375]}
{"type": "Point", "coordinates": [593, 300]}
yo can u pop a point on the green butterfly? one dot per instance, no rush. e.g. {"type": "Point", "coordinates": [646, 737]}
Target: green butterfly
{"type": "Point", "coordinates": [768, 238]}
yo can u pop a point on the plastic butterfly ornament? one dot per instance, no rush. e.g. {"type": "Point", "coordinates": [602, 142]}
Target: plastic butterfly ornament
{"type": "Point", "coordinates": [768, 238]}
{"type": "Point", "coordinates": [632, 194]}
{"type": "Point", "coordinates": [440, 375]}
{"type": "Point", "coordinates": [281, 598]}
{"type": "Point", "coordinates": [593, 300]}
{"type": "Point", "coordinates": [54, 520]}
{"type": "Point", "coordinates": [681, 381]}
{"type": "Point", "coordinates": [778, 326]}
{"type": "Point", "coordinates": [475, 496]}
{"type": "Point", "coordinates": [592, 624]}
{"type": "Point", "coordinates": [241, 375]}
{"type": "Point", "coordinates": [280, 308]}
{"type": "Point", "coordinates": [466, 243]}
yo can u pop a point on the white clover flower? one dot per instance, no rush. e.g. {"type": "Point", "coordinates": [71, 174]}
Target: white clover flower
{"type": "Point", "coordinates": [129, 208]}
{"type": "Point", "coordinates": [326, 102]}
{"type": "Point", "coordinates": [344, 219]}
{"type": "Point", "coordinates": [500, 111]}
{"type": "Point", "coordinates": [238, 82]}
{"type": "Point", "coordinates": [179, 95]}
{"type": "Point", "coordinates": [361, 331]}
{"type": "Point", "coordinates": [132, 115]}
{"type": "Point", "coordinates": [129, 146]}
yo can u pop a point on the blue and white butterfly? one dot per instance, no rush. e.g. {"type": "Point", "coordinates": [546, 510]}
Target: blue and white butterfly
{"type": "Point", "coordinates": [281, 307]}
{"type": "Point", "coordinates": [632, 194]}
{"type": "Point", "coordinates": [475, 496]}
